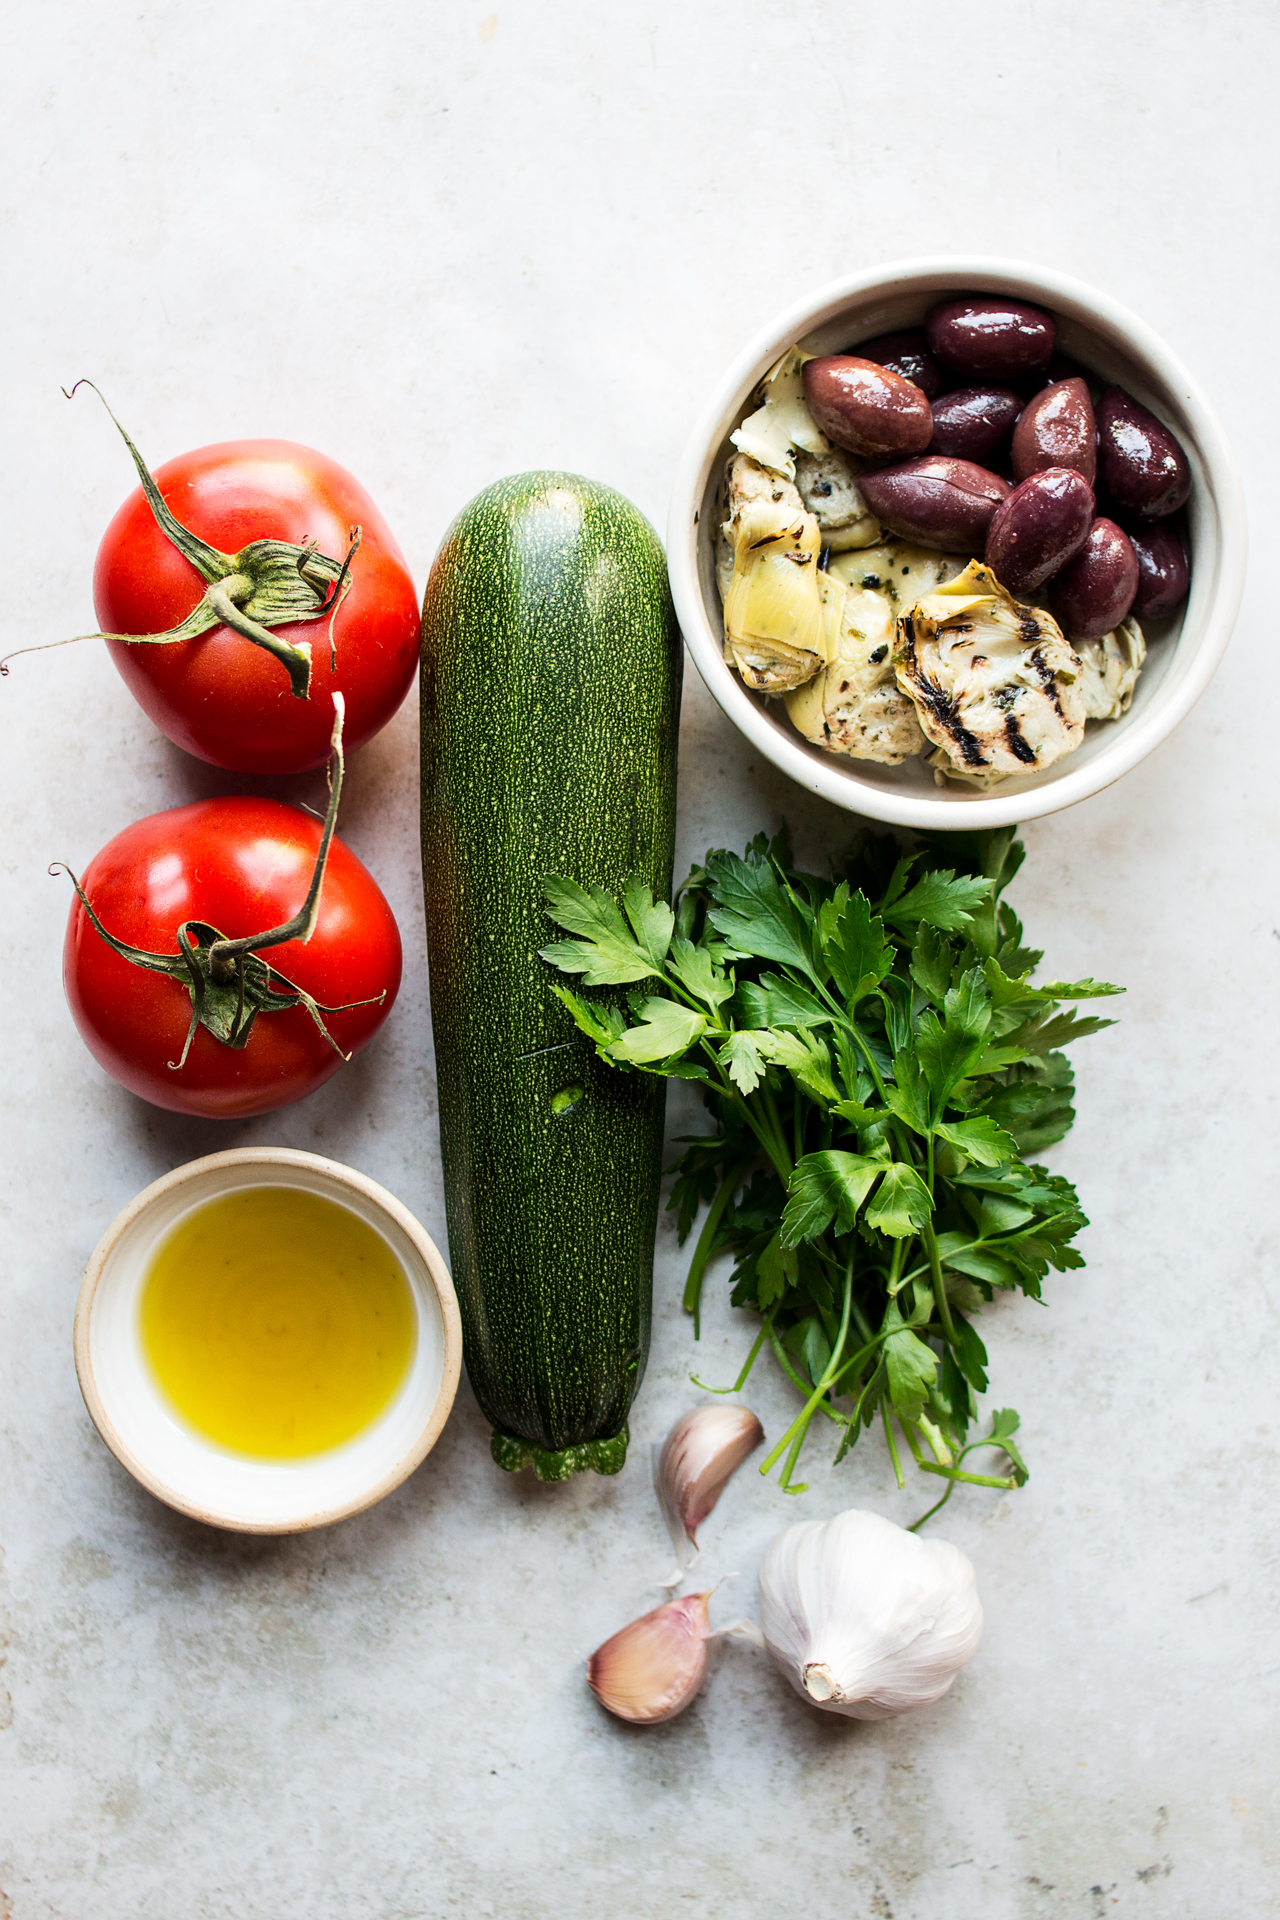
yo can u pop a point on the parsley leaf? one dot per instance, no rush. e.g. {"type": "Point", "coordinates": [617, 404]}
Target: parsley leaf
{"type": "Point", "coordinates": [754, 911]}
{"type": "Point", "coordinates": [825, 1187]}
{"type": "Point", "coordinates": [854, 945]}
{"type": "Point", "coordinates": [878, 1076]}
{"type": "Point", "coordinates": [665, 1029]}
{"type": "Point", "coordinates": [980, 1139]}
{"type": "Point", "coordinates": [607, 954]}
{"type": "Point", "coordinates": [903, 1203]}
{"type": "Point", "coordinates": [939, 900]}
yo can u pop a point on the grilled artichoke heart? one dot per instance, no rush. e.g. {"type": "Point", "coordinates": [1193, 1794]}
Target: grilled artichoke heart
{"type": "Point", "coordinates": [780, 614]}
{"type": "Point", "coordinates": [783, 422]}
{"type": "Point", "coordinates": [897, 569]}
{"type": "Point", "coordinates": [829, 488]}
{"type": "Point", "coordinates": [744, 480]}
{"type": "Point", "coordinates": [995, 684]}
{"type": "Point", "coordinates": [1110, 669]}
{"type": "Point", "coordinates": [854, 705]}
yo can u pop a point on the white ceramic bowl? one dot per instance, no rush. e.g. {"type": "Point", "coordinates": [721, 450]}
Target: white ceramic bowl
{"type": "Point", "coordinates": [195, 1475]}
{"type": "Point", "coordinates": [1102, 335]}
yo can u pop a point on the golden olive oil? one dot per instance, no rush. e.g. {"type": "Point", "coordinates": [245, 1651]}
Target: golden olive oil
{"type": "Point", "coordinates": [276, 1322]}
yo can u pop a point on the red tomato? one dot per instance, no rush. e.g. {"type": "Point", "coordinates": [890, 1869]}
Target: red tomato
{"type": "Point", "coordinates": [244, 866]}
{"type": "Point", "coordinates": [220, 696]}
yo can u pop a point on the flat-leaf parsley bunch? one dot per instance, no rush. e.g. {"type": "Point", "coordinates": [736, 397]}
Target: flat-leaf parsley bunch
{"type": "Point", "coordinates": [878, 1066]}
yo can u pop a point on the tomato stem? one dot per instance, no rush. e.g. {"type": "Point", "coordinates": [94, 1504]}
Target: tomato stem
{"type": "Point", "coordinates": [228, 983]}
{"type": "Point", "coordinates": [268, 584]}
{"type": "Point", "coordinates": [224, 954]}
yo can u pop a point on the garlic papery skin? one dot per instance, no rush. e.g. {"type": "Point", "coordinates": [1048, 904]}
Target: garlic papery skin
{"type": "Point", "coordinates": [651, 1670]}
{"type": "Point", "coordinates": [702, 1449]}
{"type": "Point", "coordinates": [864, 1618]}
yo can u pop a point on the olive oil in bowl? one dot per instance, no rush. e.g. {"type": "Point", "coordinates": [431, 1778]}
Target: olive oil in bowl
{"type": "Point", "coordinates": [276, 1322]}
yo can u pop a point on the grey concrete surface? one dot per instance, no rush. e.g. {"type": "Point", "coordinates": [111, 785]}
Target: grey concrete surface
{"type": "Point", "coordinates": [444, 244]}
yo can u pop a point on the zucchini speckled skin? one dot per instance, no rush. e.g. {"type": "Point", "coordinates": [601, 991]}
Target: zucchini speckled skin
{"type": "Point", "coordinates": [551, 666]}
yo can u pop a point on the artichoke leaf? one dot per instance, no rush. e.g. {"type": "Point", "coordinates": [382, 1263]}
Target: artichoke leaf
{"type": "Point", "coordinates": [899, 570]}
{"type": "Point", "coordinates": [995, 684]}
{"type": "Point", "coordinates": [828, 486]}
{"type": "Point", "coordinates": [746, 480]}
{"type": "Point", "coordinates": [1109, 670]}
{"type": "Point", "coordinates": [854, 705]}
{"type": "Point", "coordinates": [780, 614]}
{"type": "Point", "coordinates": [783, 422]}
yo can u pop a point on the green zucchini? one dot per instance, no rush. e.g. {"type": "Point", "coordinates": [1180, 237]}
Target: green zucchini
{"type": "Point", "coordinates": [551, 666]}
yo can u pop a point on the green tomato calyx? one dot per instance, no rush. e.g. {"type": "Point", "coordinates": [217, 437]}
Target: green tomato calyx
{"type": "Point", "coordinates": [229, 984]}
{"type": "Point", "coordinates": [268, 584]}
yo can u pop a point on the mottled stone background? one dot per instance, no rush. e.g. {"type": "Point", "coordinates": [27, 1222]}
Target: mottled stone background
{"type": "Point", "coordinates": [442, 247]}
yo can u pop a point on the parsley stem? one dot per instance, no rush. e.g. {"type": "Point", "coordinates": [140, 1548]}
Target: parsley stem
{"type": "Point", "coordinates": [863, 1353]}
{"type": "Point", "coordinates": [772, 1143]}
{"type": "Point", "coordinates": [930, 1239]}
{"type": "Point", "coordinates": [702, 1251]}
{"type": "Point", "coordinates": [970, 1479]}
{"type": "Point", "coordinates": [898, 1474]}
{"type": "Point", "coordinates": [741, 1380]}
{"type": "Point", "coordinates": [935, 1508]}
{"type": "Point", "coordinates": [784, 1480]}
{"type": "Point", "coordinates": [783, 1159]}
{"type": "Point", "coordinates": [939, 1290]}
{"type": "Point", "coordinates": [800, 1425]}
{"type": "Point", "coordinates": [781, 1356]}
{"type": "Point", "coordinates": [869, 1057]}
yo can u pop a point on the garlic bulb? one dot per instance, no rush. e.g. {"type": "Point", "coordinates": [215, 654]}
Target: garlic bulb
{"type": "Point", "coordinates": [865, 1618]}
{"type": "Point", "coordinates": [651, 1670]}
{"type": "Point", "coordinates": [702, 1449]}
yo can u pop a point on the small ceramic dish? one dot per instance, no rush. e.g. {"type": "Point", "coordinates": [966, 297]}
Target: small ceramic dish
{"type": "Point", "coordinates": [1105, 338]}
{"type": "Point", "coordinates": [194, 1474]}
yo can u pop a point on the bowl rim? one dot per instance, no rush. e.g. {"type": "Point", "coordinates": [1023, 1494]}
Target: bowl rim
{"type": "Point", "coordinates": [340, 1176]}
{"type": "Point", "coordinates": [941, 811]}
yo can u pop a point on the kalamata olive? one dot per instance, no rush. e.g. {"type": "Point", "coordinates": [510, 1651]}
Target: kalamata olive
{"type": "Point", "coordinates": [938, 502]}
{"type": "Point", "coordinates": [1094, 592]}
{"type": "Point", "coordinates": [990, 338]}
{"type": "Point", "coordinates": [1057, 429]}
{"type": "Point", "coordinates": [1061, 368]}
{"type": "Point", "coordinates": [866, 408]}
{"type": "Point", "coordinates": [974, 423]}
{"type": "Point", "coordinates": [908, 354]}
{"type": "Point", "coordinates": [1163, 572]}
{"type": "Point", "coordinates": [1043, 523]}
{"type": "Point", "coordinates": [1140, 463]}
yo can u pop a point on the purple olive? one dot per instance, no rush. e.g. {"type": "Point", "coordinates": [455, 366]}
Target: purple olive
{"type": "Point", "coordinates": [990, 338]}
{"type": "Point", "coordinates": [938, 502]}
{"type": "Point", "coordinates": [1140, 463]}
{"type": "Point", "coordinates": [908, 354]}
{"type": "Point", "coordinates": [866, 408]}
{"type": "Point", "coordinates": [1061, 368]}
{"type": "Point", "coordinates": [1057, 430]}
{"type": "Point", "coordinates": [1043, 523]}
{"type": "Point", "coordinates": [1163, 571]}
{"type": "Point", "coordinates": [1095, 591]}
{"type": "Point", "coordinates": [973, 423]}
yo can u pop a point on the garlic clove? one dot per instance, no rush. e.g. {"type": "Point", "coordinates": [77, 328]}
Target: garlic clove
{"type": "Point", "coordinates": [702, 1449]}
{"type": "Point", "coordinates": [651, 1670]}
{"type": "Point", "coordinates": [866, 1619]}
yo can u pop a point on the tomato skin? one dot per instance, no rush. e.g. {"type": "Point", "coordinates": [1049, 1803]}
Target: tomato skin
{"type": "Point", "coordinates": [221, 697]}
{"type": "Point", "coordinates": [244, 866]}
